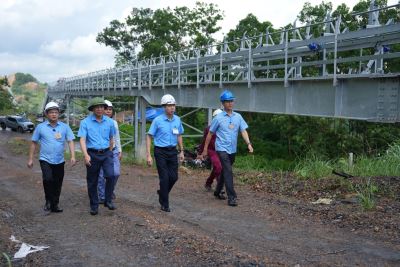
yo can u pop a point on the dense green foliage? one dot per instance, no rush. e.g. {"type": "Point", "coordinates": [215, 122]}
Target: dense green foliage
{"type": "Point", "coordinates": [5, 97]}
{"type": "Point", "coordinates": [29, 100]}
{"type": "Point", "coordinates": [149, 33]}
{"type": "Point", "coordinates": [23, 78]}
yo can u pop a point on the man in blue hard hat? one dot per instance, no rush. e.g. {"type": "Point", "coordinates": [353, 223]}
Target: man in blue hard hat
{"type": "Point", "coordinates": [226, 126]}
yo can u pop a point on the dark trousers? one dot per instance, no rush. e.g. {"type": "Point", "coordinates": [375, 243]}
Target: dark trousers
{"type": "Point", "coordinates": [100, 160]}
{"type": "Point", "coordinates": [167, 167]}
{"type": "Point", "coordinates": [53, 176]}
{"type": "Point", "coordinates": [226, 177]}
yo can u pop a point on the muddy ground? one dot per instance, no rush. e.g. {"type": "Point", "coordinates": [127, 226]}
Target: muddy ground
{"type": "Point", "coordinates": [275, 223]}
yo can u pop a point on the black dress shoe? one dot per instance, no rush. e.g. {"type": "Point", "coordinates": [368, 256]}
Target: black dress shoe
{"type": "Point", "coordinates": [47, 206]}
{"type": "Point", "coordinates": [94, 211]}
{"type": "Point", "coordinates": [232, 202]}
{"type": "Point", "coordinates": [219, 196]}
{"type": "Point", "coordinates": [166, 209]}
{"type": "Point", "coordinates": [109, 205]}
{"type": "Point", "coordinates": [56, 209]}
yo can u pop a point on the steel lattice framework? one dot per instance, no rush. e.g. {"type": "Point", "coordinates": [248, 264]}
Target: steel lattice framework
{"type": "Point", "coordinates": [342, 73]}
{"type": "Point", "coordinates": [337, 73]}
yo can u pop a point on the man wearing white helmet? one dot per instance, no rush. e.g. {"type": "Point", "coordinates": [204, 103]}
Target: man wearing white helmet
{"type": "Point", "coordinates": [212, 154]}
{"type": "Point", "coordinates": [166, 130]}
{"type": "Point", "coordinates": [52, 135]}
{"type": "Point", "coordinates": [117, 155]}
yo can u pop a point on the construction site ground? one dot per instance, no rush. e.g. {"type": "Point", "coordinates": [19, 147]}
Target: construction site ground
{"type": "Point", "coordinates": [275, 223]}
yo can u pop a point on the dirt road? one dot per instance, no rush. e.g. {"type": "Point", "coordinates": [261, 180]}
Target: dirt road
{"type": "Point", "coordinates": [264, 230]}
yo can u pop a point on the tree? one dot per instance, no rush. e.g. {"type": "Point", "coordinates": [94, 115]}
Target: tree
{"type": "Point", "coordinates": [5, 97]}
{"type": "Point", "coordinates": [149, 33]}
{"type": "Point", "coordinates": [249, 26]}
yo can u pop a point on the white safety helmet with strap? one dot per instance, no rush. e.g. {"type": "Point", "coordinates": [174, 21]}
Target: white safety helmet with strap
{"type": "Point", "coordinates": [51, 105]}
{"type": "Point", "coordinates": [108, 103]}
{"type": "Point", "coordinates": [216, 112]}
{"type": "Point", "coordinates": [168, 100]}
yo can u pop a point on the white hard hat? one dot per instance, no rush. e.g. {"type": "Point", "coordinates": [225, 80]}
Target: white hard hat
{"type": "Point", "coordinates": [168, 100]}
{"type": "Point", "coordinates": [108, 103]}
{"type": "Point", "coordinates": [51, 105]}
{"type": "Point", "coordinates": [216, 112]}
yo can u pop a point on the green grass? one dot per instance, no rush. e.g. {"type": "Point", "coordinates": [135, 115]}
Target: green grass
{"type": "Point", "coordinates": [313, 167]}
{"type": "Point", "coordinates": [388, 164]}
{"type": "Point", "coordinates": [19, 146]}
{"type": "Point", "coordinates": [384, 165]}
{"type": "Point", "coordinates": [8, 260]}
{"type": "Point", "coordinates": [78, 155]}
{"type": "Point", "coordinates": [260, 163]}
{"type": "Point", "coordinates": [366, 193]}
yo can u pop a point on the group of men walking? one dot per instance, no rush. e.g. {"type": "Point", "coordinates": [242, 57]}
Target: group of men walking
{"type": "Point", "coordinates": [101, 147]}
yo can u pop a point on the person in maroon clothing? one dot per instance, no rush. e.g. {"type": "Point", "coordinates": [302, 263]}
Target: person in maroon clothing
{"type": "Point", "coordinates": [216, 163]}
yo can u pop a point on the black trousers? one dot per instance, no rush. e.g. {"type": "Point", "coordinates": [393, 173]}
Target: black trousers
{"type": "Point", "coordinates": [100, 160]}
{"type": "Point", "coordinates": [167, 167]}
{"type": "Point", "coordinates": [53, 176]}
{"type": "Point", "coordinates": [226, 177]}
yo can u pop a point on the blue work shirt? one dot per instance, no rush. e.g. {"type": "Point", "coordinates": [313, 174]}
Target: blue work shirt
{"type": "Point", "coordinates": [165, 131]}
{"type": "Point", "coordinates": [227, 128]}
{"type": "Point", "coordinates": [52, 141]}
{"type": "Point", "coordinates": [97, 134]}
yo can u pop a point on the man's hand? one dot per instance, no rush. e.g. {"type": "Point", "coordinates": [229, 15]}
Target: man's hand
{"type": "Point", "coordinates": [73, 161]}
{"type": "Point", "coordinates": [87, 160]}
{"type": "Point", "coordinates": [250, 147]}
{"type": "Point", "coordinates": [120, 156]}
{"type": "Point", "coordinates": [30, 163]}
{"type": "Point", "coordinates": [181, 156]}
{"type": "Point", "coordinates": [149, 160]}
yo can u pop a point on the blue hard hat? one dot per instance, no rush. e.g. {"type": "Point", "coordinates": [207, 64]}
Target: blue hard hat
{"type": "Point", "coordinates": [227, 96]}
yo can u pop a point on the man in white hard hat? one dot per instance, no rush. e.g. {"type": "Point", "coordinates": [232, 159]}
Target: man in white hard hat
{"type": "Point", "coordinates": [52, 135]}
{"type": "Point", "coordinates": [166, 130]}
{"type": "Point", "coordinates": [212, 154]}
{"type": "Point", "coordinates": [117, 155]}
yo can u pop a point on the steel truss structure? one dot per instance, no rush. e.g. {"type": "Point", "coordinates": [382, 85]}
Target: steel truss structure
{"type": "Point", "coordinates": [339, 73]}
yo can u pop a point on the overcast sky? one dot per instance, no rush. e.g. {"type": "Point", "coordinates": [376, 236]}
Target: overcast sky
{"type": "Point", "coordinates": [52, 39]}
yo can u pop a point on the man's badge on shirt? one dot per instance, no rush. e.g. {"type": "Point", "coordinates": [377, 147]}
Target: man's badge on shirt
{"type": "Point", "coordinates": [231, 126]}
{"type": "Point", "coordinates": [175, 131]}
{"type": "Point", "coordinates": [57, 135]}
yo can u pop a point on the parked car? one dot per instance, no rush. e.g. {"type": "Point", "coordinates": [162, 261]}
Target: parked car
{"type": "Point", "coordinates": [17, 123]}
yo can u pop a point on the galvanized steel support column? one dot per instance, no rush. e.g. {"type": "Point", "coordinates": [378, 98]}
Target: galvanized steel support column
{"type": "Point", "coordinates": [136, 125]}
{"type": "Point", "coordinates": [68, 100]}
{"type": "Point", "coordinates": [141, 147]}
{"type": "Point", "coordinates": [209, 115]}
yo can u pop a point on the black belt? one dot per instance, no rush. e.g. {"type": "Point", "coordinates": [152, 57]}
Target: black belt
{"type": "Point", "coordinates": [168, 148]}
{"type": "Point", "coordinates": [99, 151]}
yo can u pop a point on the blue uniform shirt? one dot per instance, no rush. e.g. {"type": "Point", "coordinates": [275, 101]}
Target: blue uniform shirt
{"type": "Point", "coordinates": [227, 128]}
{"type": "Point", "coordinates": [52, 141]}
{"type": "Point", "coordinates": [97, 134]}
{"type": "Point", "coordinates": [164, 131]}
